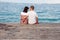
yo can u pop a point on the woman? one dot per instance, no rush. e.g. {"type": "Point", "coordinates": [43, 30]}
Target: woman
{"type": "Point", "coordinates": [24, 16]}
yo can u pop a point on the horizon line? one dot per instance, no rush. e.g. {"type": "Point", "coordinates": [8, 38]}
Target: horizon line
{"type": "Point", "coordinates": [31, 3]}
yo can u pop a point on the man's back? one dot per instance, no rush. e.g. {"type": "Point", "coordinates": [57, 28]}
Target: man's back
{"type": "Point", "coordinates": [32, 17]}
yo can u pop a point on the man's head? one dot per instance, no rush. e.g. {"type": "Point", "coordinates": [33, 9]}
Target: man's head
{"type": "Point", "coordinates": [31, 8]}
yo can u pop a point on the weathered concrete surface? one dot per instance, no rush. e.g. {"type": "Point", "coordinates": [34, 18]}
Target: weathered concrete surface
{"type": "Point", "coordinates": [30, 32]}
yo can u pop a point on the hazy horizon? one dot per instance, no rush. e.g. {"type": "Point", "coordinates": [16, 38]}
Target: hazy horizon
{"type": "Point", "coordinates": [33, 1]}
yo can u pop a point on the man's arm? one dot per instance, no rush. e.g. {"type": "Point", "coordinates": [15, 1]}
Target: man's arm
{"type": "Point", "coordinates": [37, 20]}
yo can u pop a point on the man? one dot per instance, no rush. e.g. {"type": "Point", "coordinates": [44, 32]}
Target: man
{"type": "Point", "coordinates": [32, 16]}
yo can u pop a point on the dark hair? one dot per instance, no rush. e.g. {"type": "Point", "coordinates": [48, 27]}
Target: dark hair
{"type": "Point", "coordinates": [32, 7]}
{"type": "Point", "coordinates": [26, 9]}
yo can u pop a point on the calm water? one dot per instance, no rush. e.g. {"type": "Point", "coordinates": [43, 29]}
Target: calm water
{"type": "Point", "coordinates": [10, 12]}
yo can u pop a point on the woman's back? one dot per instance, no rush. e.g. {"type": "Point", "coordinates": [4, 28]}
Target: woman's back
{"type": "Point", "coordinates": [24, 18]}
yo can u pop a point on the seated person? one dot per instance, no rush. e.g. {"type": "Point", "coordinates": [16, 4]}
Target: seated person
{"type": "Point", "coordinates": [24, 16]}
{"type": "Point", "coordinates": [32, 16]}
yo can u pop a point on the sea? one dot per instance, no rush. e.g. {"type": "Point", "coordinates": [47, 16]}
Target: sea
{"type": "Point", "coordinates": [47, 13]}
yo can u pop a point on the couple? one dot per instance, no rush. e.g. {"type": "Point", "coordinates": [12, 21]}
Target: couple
{"type": "Point", "coordinates": [29, 17]}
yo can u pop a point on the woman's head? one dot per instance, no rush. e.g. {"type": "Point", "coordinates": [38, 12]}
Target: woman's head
{"type": "Point", "coordinates": [26, 9]}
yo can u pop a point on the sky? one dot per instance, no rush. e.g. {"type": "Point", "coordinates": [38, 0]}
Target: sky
{"type": "Point", "coordinates": [32, 1]}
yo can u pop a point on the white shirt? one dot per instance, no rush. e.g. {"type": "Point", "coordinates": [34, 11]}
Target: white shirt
{"type": "Point", "coordinates": [23, 13]}
{"type": "Point", "coordinates": [32, 17]}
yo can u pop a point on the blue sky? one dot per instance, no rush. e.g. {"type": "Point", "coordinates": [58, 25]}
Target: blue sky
{"type": "Point", "coordinates": [32, 1]}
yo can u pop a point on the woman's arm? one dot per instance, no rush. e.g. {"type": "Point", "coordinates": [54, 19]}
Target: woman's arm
{"type": "Point", "coordinates": [24, 18]}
